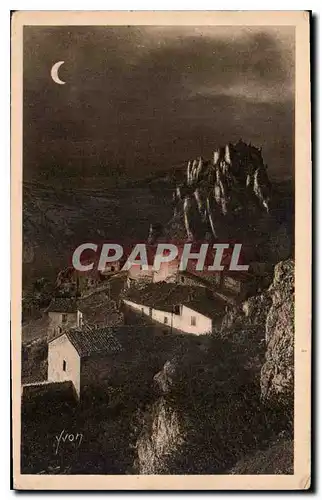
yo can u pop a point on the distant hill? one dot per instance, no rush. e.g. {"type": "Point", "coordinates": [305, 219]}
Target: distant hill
{"type": "Point", "coordinates": [56, 221]}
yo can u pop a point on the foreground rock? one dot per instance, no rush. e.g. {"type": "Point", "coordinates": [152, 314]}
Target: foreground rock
{"type": "Point", "coordinates": [277, 376]}
{"type": "Point", "coordinates": [225, 405]}
{"type": "Point", "coordinates": [270, 316]}
{"type": "Point", "coordinates": [160, 440]}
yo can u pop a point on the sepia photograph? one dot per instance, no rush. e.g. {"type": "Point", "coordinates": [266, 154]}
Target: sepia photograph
{"type": "Point", "coordinates": [161, 197]}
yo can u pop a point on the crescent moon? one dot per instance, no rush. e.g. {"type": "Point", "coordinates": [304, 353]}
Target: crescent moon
{"type": "Point", "coordinates": [54, 73]}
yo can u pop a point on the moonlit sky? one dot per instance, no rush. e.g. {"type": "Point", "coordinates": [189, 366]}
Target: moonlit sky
{"type": "Point", "coordinates": [141, 99]}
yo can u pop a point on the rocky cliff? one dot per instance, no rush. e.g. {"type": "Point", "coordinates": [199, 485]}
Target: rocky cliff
{"type": "Point", "coordinates": [161, 440]}
{"type": "Point", "coordinates": [271, 314]}
{"type": "Point", "coordinates": [277, 376]}
{"type": "Point", "coordinates": [233, 183]}
{"type": "Point", "coordinates": [228, 400]}
{"type": "Point", "coordinates": [230, 198]}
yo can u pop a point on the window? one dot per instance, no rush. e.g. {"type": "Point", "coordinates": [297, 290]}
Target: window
{"type": "Point", "coordinates": [64, 365]}
{"type": "Point", "coordinates": [165, 320]}
{"type": "Point", "coordinates": [193, 320]}
{"type": "Point", "coordinates": [64, 318]}
{"type": "Point", "coordinates": [176, 309]}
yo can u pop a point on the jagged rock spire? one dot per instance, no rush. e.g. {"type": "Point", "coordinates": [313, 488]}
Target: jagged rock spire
{"type": "Point", "coordinates": [234, 177]}
{"type": "Point", "coordinates": [216, 156]}
{"type": "Point", "coordinates": [227, 154]}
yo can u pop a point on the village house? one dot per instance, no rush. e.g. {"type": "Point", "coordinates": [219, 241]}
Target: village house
{"type": "Point", "coordinates": [211, 280]}
{"type": "Point", "coordinates": [70, 353]}
{"type": "Point", "coordinates": [112, 267]}
{"type": "Point", "coordinates": [241, 284]}
{"type": "Point", "coordinates": [138, 275]}
{"type": "Point", "coordinates": [63, 314]}
{"type": "Point", "coordinates": [183, 309]}
{"type": "Point", "coordinates": [73, 283]}
{"type": "Point", "coordinates": [167, 272]}
{"type": "Point", "coordinates": [234, 286]}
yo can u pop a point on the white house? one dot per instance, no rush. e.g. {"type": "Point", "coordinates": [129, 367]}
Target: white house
{"type": "Point", "coordinates": [63, 314]}
{"type": "Point", "coordinates": [136, 273]}
{"type": "Point", "coordinates": [183, 318]}
{"type": "Point", "coordinates": [168, 272]}
{"type": "Point", "coordinates": [176, 307]}
{"type": "Point", "coordinates": [69, 353]}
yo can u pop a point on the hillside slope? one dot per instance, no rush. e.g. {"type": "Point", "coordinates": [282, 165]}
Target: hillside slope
{"type": "Point", "coordinates": [55, 221]}
{"type": "Point", "coordinates": [228, 407]}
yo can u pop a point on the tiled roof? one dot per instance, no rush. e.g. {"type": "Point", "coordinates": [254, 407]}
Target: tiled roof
{"type": "Point", "coordinates": [63, 305]}
{"type": "Point", "coordinates": [164, 296]}
{"type": "Point", "coordinates": [210, 308]}
{"type": "Point", "coordinates": [93, 341]}
{"type": "Point", "coordinates": [204, 278]}
{"type": "Point", "coordinates": [159, 295]}
{"type": "Point", "coordinates": [240, 276]}
{"type": "Point", "coordinates": [61, 390]}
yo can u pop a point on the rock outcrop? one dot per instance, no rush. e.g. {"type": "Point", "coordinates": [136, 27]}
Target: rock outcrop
{"type": "Point", "coordinates": [270, 315]}
{"type": "Point", "coordinates": [165, 378]}
{"type": "Point", "coordinates": [162, 433]}
{"type": "Point", "coordinates": [160, 440]}
{"type": "Point", "coordinates": [230, 198]}
{"type": "Point", "coordinates": [234, 182]}
{"type": "Point", "coordinates": [277, 377]}
{"type": "Point", "coordinates": [225, 404]}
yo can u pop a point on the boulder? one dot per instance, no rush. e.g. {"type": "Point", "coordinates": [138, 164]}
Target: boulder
{"type": "Point", "coordinates": [160, 438]}
{"type": "Point", "coordinates": [164, 379]}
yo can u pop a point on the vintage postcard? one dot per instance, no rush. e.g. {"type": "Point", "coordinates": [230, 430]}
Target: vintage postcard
{"type": "Point", "coordinates": [161, 250]}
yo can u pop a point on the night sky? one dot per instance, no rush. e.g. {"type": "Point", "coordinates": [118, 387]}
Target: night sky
{"type": "Point", "coordinates": [141, 99]}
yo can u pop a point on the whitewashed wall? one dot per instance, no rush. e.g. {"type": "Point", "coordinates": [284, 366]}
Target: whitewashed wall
{"type": "Point", "coordinates": [180, 321]}
{"type": "Point", "coordinates": [136, 273]}
{"type": "Point", "coordinates": [203, 323]}
{"type": "Point", "coordinates": [167, 272]}
{"type": "Point", "coordinates": [138, 307]}
{"type": "Point", "coordinates": [59, 350]}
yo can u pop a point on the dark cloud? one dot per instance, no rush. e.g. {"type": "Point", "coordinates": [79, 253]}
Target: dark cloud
{"type": "Point", "coordinates": [147, 98]}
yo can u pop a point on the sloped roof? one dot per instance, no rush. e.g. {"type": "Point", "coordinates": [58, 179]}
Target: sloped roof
{"type": "Point", "coordinates": [164, 296]}
{"type": "Point", "coordinates": [63, 390]}
{"type": "Point", "coordinates": [210, 308]}
{"type": "Point", "coordinates": [63, 305]}
{"type": "Point", "coordinates": [160, 295]}
{"type": "Point", "coordinates": [240, 276]}
{"type": "Point", "coordinates": [93, 341]}
{"type": "Point", "coordinates": [204, 278]}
